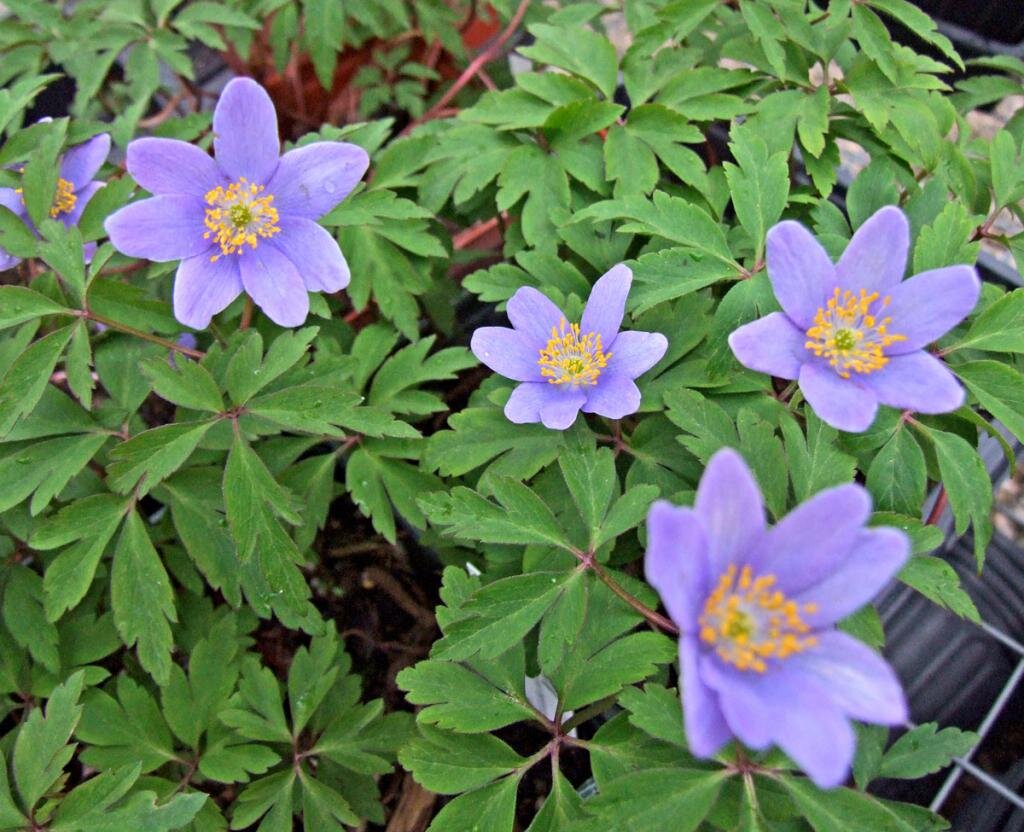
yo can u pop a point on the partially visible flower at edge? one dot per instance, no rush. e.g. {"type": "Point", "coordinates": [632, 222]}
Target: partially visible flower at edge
{"type": "Point", "coordinates": [75, 187]}
{"type": "Point", "coordinates": [760, 658]}
{"type": "Point", "coordinates": [852, 333]}
{"type": "Point", "coordinates": [245, 221]}
{"type": "Point", "coordinates": [564, 368]}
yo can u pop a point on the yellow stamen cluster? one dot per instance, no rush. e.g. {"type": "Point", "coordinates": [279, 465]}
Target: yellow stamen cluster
{"type": "Point", "coordinates": [239, 216]}
{"type": "Point", "coordinates": [64, 200]}
{"type": "Point", "coordinates": [748, 621]}
{"type": "Point", "coordinates": [572, 358]}
{"type": "Point", "coordinates": [849, 335]}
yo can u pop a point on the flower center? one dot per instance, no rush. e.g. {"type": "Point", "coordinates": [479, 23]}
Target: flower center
{"type": "Point", "coordinates": [238, 216]}
{"type": "Point", "coordinates": [572, 358]}
{"type": "Point", "coordinates": [748, 621]}
{"type": "Point", "coordinates": [64, 200]}
{"type": "Point", "coordinates": [849, 335]}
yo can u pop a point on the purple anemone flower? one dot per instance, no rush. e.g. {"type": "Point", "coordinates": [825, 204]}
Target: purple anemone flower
{"type": "Point", "coordinates": [759, 656]}
{"type": "Point", "coordinates": [563, 367]}
{"type": "Point", "coordinates": [75, 187]}
{"type": "Point", "coordinates": [245, 221]}
{"type": "Point", "coordinates": [852, 333]}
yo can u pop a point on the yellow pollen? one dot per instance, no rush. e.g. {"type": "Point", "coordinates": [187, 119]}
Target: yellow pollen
{"type": "Point", "coordinates": [64, 200]}
{"type": "Point", "coordinates": [572, 358]}
{"type": "Point", "coordinates": [849, 335]}
{"type": "Point", "coordinates": [750, 622]}
{"type": "Point", "coordinates": [239, 216]}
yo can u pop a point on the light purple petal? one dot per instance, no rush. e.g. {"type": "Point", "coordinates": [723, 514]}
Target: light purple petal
{"type": "Point", "coordinates": [534, 315]}
{"type": "Point", "coordinates": [8, 260]}
{"type": "Point", "coordinates": [203, 288]}
{"type": "Point", "coordinates": [747, 715]}
{"type": "Point", "coordinates": [859, 681]}
{"type": "Point", "coordinates": [612, 397]}
{"type": "Point", "coordinates": [877, 255]}
{"type": "Point", "coordinates": [771, 345]}
{"type": "Point", "coordinates": [814, 539]}
{"type": "Point", "coordinates": [800, 271]}
{"type": "Point", "coordinates": [169, 166]}
{"type": "Point", "coordinates": [82, 197]}
{"type": "Point", "coordinates": [311, 180]}
{"type": "Point", "coordinates": [245, 132]}
{"type": "Point", "coordinates": [799, 714]}
{"type": "Point", "coordinates": [526, 401]}
{"type": "Point", "coordinates": [840, 402]}
{"type": "Point", "coordinates": [550, 404]}
{"type": "Point", "coordinates": [88, 252]}
{"type": "Point", "coordinates": [927, 306]}
{"type": "Point", "coordinates": [559, 409]}
{"type": "Point", "coordinates": [12, 201]}
{"type": "Point", "coordinates": [506, 352]}
{"type": "Point", "coordinates": [853, 579]}
{"type": "Point", "coordinates": [918, 381]}
{"type": "Point", "coordinates": [730, 507]}
{"type": "Point", "coordinates": [607, 304]}
{"type": "Point", "coordinates": [161, 228]}
{"type": "Point", "coordinates": [81, 162]}
{"type": "Point", "coordinates": [706, 728]}
{"type": "Point", "coordinates": [274, 284]}
{"type": "Point", "coordinates": [634, 353]}
{"type": "Point", "coordinates": [675, 563]}
{"type": "Point", "coordinates": [314, 252]}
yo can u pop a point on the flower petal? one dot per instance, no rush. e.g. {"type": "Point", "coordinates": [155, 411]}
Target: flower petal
{"type": "Point", "coordinates": [82, 197]}
{"type": "Point", "coordinates": [859, 681]}
{"type": "Point", "coordinates": [542, 402]}
{"type": "Point", "coordinates": [675, 563]}
{"type": "Point", "coordinates": [841, 402]}
{"type": "Point", "coordinates": [772, 345]}
{"type": "Point", "coordinates": [506, 352]}
{"type": "Point", "coordinates": [747, 715]}
{"type": "Point", "coordinates": [314, 252]}
{"type": "Point", "coordinates": [81, 162]}
{"type": "Point", "coordinates": [312, 179]}
{"type": "Point", "coordinates": [730, 507]}
{"type": "Point", "coordinates": [706, 728]}
{"type": "Point", "coordinates": [814, 539]}
{"type": "Point", "coordinates": [607, 304]}
{"type": "Point", "coordinates": [169, 166]}
{"type": "Point", "coordinates": [559, 411]}
{"type": "Point", "coordinates": [800, 271]}
{"type": "Point", "coordinates": [612, 397]}
{"type": "Point", "coordinates": [534, 314]}
{"type": "Point", "coordinates": [160, 228]}
{"type": "Point", "coordinates": [274, 283]}
{"type": "Point", "coordinates": [877, 255]}
{"type": "Point", "coordinates": [927, 306]}
{"type": "Point", "coordinates": [8, 260]}
{"type": "Point", "coordinates": [634, 353]}
{"type": "Point", "coordinates": [918, 381]}
{"type": "Point", "coordinates": [843, 584]}
{"type": "Point", "coordinates": [245, 132]}
{"type": "Point", "coordinates": [12, 201]}
{"type": "Point", "coordinates": [203, 288]}
{"type": "Point", "coordinates": [797, 711]}
{"type": "Point", "coordinates": [526, 401]}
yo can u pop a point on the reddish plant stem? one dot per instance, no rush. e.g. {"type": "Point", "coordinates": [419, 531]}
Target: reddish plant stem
{"type": "Point", "coordinates": [470, 72]}
{"type": "Point", "coordinates": [138, 333]}
{"type": "Point", "coordinates": [164, 114]}
{"type": "Point", "coordinates": [247, 311]}
{"type": "Point", "coordinates": [468, 236]}
{"type": "Point", "coordinates": [655, 619]}
{"type": "Point", "coordinates": [940, 506]}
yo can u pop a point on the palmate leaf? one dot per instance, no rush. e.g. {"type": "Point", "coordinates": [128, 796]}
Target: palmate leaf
{"type": "Point", "coordinates": [844, 810]}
